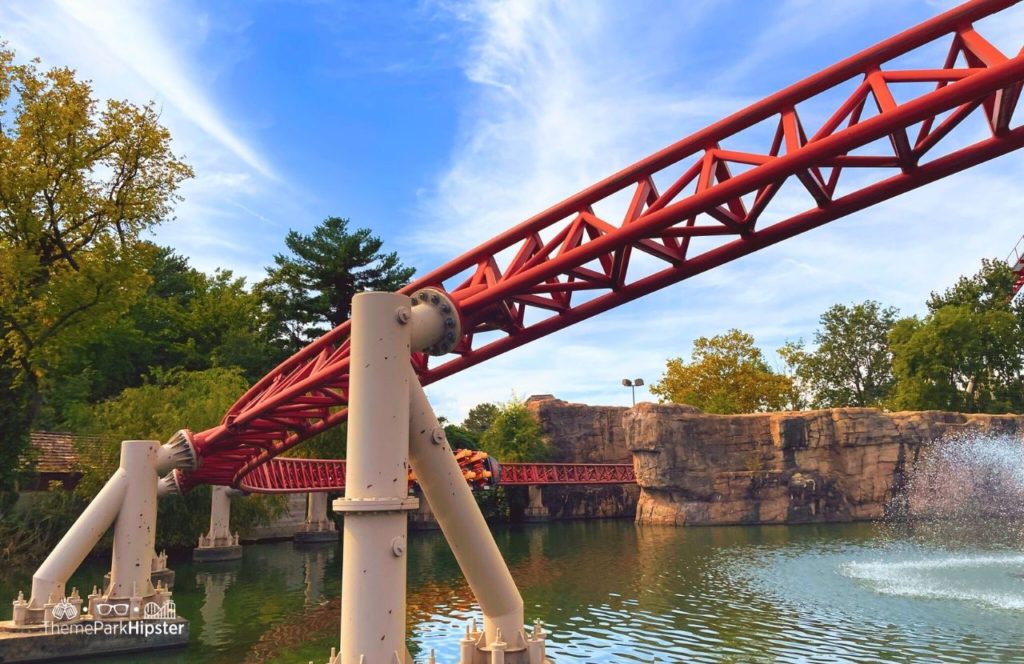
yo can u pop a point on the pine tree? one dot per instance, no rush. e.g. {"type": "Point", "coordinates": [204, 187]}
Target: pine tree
{"type": "Point", "coordinates": [310, 290]}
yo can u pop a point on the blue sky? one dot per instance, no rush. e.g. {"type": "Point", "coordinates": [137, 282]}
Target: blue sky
{"type": "Point", "coordinates": [439, 124]}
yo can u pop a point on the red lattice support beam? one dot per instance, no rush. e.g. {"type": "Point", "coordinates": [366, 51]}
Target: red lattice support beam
{"type": "Point", "coordinates": [858, 133]}
{"type": "Point", "coordinates": [526, 474]}
{"type": "Point", "coordinates": [290, 475]}
{"type": "Point", "coordinates": [1016, 262]}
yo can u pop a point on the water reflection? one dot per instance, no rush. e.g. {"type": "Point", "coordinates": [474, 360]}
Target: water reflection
{"type": "Point", "coordinates": [615, 592]}
{"type": "Point", "coordinates": [213, 587]}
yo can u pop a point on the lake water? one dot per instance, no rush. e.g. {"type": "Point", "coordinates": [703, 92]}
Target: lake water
{"type": "Point", "coordinates": [611, 591]}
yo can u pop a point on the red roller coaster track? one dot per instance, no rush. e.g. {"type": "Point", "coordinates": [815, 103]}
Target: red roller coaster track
{"type": "Point", "coordinates": [287, 475]}
{"type": "Point", "coordinates": [860, 132]}
{"type": "Point", "coordinates": [1016, 263]}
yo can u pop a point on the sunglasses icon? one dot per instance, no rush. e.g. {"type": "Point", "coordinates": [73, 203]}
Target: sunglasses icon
{"type": "Point", "coordinates": [115, 609]}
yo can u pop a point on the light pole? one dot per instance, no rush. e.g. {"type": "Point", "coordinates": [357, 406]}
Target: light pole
{"type": "Point", "coordinates": [633, 384]}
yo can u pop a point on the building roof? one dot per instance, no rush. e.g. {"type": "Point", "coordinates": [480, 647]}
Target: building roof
{"type": "Point", "coordinates": [55, 452]}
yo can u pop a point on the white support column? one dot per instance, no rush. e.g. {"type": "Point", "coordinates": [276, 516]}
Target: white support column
{"type": "Point", "coordinates": [135, 530]}
{"type": "Point", "coordinates": [316, 512]}
{"type": "Point", "coordinates": [318, 527]}
{"type": "Point", "coordinates": [128, 500]}
{"type": "Point", "coordinates": [220, 517]}
{"type": "Point", "coordinates": [219, 544]}
{"type": "Point", "coordinates": [376, 485]}
{"type": "Point", "coordinates": [386, 404]}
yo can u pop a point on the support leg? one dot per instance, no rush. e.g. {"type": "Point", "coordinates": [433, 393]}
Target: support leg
{"type": "Point", "coordinates": [128, 501]}
{"type": "Point", "coordinates": [376, 486]}
{"type": "Point", "coordinates": [317, 527]}
{"type": "Point", "coordinates": [218, 543]}
{"type": "Point", "coordinates": [459, 517]}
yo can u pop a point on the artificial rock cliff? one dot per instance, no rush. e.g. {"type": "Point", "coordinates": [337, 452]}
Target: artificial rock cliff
{"type": "Point", "coordinates": [583, 434]}
{"type": "Point", "coordinates": [841, 464]}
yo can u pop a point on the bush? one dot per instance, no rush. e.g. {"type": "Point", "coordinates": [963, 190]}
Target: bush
{"type": "Point", "coordinates": [515, 435]}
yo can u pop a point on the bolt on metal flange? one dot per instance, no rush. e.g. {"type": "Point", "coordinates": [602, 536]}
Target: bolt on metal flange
{"type": "Point", "coordinates": [438, 299]}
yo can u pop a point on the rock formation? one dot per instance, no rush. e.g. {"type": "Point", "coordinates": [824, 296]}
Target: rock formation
{"type": "Point", "coordinates": [841, 464]}
{"type": "Point", "coordinates": [584, 434]}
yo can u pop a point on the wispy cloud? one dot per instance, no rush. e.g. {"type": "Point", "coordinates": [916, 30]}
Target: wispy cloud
{"type": "Point", "coordinates": [565, 93]}
{"type": "Point", "coordinates": [134, 34]}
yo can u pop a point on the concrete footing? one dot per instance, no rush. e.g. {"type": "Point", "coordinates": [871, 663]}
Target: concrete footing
{"type": "Point", "coordinates": [316, 536]}
{"type": "Point", "coordinates": [84, 638]}
{"type": "Point", "coordinates": [164, 577]}
{"type": "Point", "coordinates": [318, 526]}
{"type": "Point", "coordinates": [536, 510]}
{"type": "Point", "coordinates": [213, 554]}
{"type": "Point", "coordinates": [423, 518]}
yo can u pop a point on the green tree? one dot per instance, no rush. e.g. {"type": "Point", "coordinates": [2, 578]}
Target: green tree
{"type": "Point", "coordinates": [461, 438]}
{"type": "Point", "coordinates": [851, 364]}
{"type": "Point", "coordinates": [310, 291]}
{"type": "Point", "coordinates": [967, 353]}
{"type": "Point", "coordinates": [727, 374]}
{"type": "Point", "coordinates": [480, 417]}
{"type": "Point", "coordinates": [184, 319]}
{"type": "Point", "coordinates": [78, 184]}
{"type": "Point", "coordinates": [515, 435]}
{"type": "Point", "coordinates": [989, 289]}
{"type": "Point", "coordinates": [961, 360]}
{"type": "Point", "coordinates": [14, 429]}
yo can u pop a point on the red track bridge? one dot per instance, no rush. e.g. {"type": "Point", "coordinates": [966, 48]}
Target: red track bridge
{"type": "Point", "coordinates": [290, 475]}
{"type": "Point", "coordinates": [876, 125]}
{"type": "Point", "coordinates": [1016, 262]}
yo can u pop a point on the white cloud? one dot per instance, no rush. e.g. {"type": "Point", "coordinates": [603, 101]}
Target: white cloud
{"type": "Point", "coordinates": [134, 34]}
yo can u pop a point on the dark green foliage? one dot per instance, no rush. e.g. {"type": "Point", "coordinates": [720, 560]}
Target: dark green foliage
{"type": "Point", "coordinates": [30, 531]}
{"type": "Point", "coordinates": [967, 353]}
{"type": "Point", "coordinates": [481, 417]}
{"type": "Point", "coordinates": [851, 364]}
{"type": "Point", "coordinates": [989, 289]}
{"type": "Point", "coordinates": [184, 320]}
{"type": "Point", "coordinates": [459, 437]}
{"type": "Point", "coordinates": [14, 429]}
{"type": "Point", "coordinates": [310, 291]}
{"type": "Point", "coordinates": [515, 435]}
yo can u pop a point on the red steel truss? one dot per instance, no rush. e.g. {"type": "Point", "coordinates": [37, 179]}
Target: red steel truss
{"type": "Point", "coordinates": [1016, 261]}
{"type": "Point", "coordinates": [521, 474]}
{"type": "Point", "coordinates": [288, 475]}
{"type": "Point", "coordinates": [860, 132]}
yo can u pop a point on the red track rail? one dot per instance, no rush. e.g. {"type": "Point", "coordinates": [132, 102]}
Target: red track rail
{"type": "Point", "coordinates": [526, 474]}
{"type": "Point", "coordinates": [287, 475]}
{"type": "Point", "coordinates": [858, 133]}
{"type": "Point", "coordinates": [1016, 262]}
